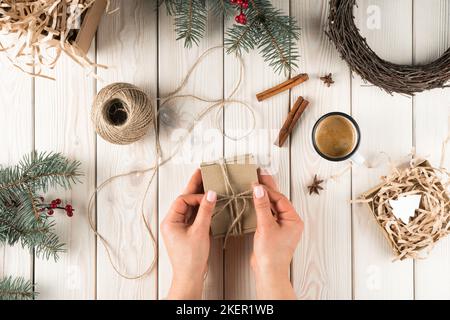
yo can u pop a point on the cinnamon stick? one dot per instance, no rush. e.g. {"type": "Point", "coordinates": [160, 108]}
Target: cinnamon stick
{"type": "Point", "coordinates": [287, 123]}
{"type": "Point", "coordinates": [291, 120]}
{"type": "Point", "coordinates": [286, 85]}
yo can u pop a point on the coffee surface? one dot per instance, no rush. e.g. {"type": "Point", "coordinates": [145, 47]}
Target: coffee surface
{"type": "Point", "coordinates": [335, 136]}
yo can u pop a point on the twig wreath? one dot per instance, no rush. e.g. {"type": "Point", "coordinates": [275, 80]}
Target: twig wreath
{"type": "Point", "coordinates": [404, 79]}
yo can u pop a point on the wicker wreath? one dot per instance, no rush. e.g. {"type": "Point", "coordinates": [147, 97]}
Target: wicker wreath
{"type": "Point", "coordinates": [404, 79]}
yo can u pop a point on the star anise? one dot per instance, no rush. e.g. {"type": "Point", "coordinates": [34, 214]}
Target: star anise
{"type": "Point", "coordinates": [328, 79]}
{"type": "Point", "coordinates": [315, 187]}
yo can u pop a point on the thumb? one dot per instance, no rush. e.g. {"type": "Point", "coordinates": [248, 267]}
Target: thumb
{"type": "Point", "coordinates": [263, 210]}
{"type": "Point", "coordinates": [205, 211]}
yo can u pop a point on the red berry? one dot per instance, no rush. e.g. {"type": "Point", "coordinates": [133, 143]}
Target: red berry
{"type": "Point", "coordinates": [53, 205]}
{"type": "Point", "coordinates": [233, 1]}
{"type": "Point", "coordinates": [69, 210]}
{"type": "Point", "coordinates": [239, 2]}
{"type": "Point", "coordinates": [242, 18]}
{"type": "Point", "coordinates": [58, 201]}
{"type": "Point", "coordinates": [50, 212]}
{"type": "Point", "coordinates": [244, 5]}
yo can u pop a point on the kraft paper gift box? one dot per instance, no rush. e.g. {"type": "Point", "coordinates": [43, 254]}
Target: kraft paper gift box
{"type": "Point", "coordinates": [82, 38]}
{"type": "Point", "coordinates": [242, 173]}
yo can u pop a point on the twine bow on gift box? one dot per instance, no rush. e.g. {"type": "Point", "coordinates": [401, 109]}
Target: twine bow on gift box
{"type": "Point", "coordinates": [235, 202]}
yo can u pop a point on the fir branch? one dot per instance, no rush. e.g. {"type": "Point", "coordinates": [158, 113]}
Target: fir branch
{"type": "Point", "coordinates": [38, 171]}
{"type": "Point", "coordinates": [32, 233]}
{"type": "Point", "coordinates": [49, 247]}
{"type": "Point", "coordinates": [267, 29]}
{"type": "Point", "coordinates": [221, 7]}
{"type": "Point", "coordinates": [172, 6]}
{"type": "Point", "coordinates": [273, 33]}
{"type": "Point", "coordinates": [16, 289]}
{"type": "Point", "coordinates": [32, 201]}
{"type": "Point", "coordinates": [20, 186]}
{"type": "Point", "coordinates": [241, 37]}
{"type": "Point", "coordinates": [42, 170]}
{"type": "Point", "coordinates": [190, 21]}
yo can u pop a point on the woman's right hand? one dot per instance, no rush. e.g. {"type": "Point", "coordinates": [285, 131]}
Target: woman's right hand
{"type": "Point", "coordinates": [278, 231]}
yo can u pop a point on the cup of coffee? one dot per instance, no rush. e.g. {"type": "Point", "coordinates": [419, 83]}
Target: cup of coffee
{"type": "Point", "coordinates": [336, 137]}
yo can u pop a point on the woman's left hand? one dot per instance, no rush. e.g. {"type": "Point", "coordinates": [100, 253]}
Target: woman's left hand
{"type": "Point", "coordinates": [186, 235]}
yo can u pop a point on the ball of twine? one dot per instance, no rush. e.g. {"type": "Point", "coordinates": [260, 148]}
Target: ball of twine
{"type": "Point", "coordinates": [122, 113]}
{"type": "Point", "coordinates": [404, 79]}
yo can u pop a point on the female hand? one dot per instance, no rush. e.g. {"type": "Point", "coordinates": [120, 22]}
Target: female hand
{"type": "Point", "coordinates": [185, 230]}
{"type": "Point", "coordinates": [278, 232]}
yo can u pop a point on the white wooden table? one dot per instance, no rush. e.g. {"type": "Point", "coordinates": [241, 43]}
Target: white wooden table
{"type": "Point", "coordinates": [343, 254]}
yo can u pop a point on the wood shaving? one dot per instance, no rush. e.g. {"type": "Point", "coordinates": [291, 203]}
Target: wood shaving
{"type": "Point", "coordinates": [36, 32]}
{"type": "Point", "coordinates": [431, 221]}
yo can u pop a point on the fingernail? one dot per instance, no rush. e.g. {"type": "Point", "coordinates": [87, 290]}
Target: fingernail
{"type": "Point", "coordinates": [258, 191]}
{"type": "Point", "coordinates": [264, 172]}
{"type": "Point", "coordinates": [211, 196]}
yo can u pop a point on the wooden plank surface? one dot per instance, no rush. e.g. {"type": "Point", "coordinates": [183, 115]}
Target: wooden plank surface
{"type": "Point", "coordinates": [386, 125]}
{"type": "Point", "coordinates": [204, 144]}
{"type": "Point", "coordinates": [342, 254]}
{"type": "Point", "coordinates": [239, 280]}
{"type": "Point", "coordinates": [431, 124]}
{"type": "Point", "coordinates": [127, 43]}
{"type": "Point", "coordinates": [16, 140]}
{"type": "Point", "coordinates": [62, 124]}
{"type": "Point", "coordinates": [322, 263]}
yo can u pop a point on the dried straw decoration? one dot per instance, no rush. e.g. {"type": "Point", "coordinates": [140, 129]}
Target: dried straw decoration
{"type": "Point", "coordinates": [431, 222]}
{"type": "Point", "coordinates": [404, 79]}
{"type": "Point", "coordinates": [35, 32]}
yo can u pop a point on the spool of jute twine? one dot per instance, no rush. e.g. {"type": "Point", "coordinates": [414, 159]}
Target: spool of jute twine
{"type": "Point", "coordinates": [122, 113]}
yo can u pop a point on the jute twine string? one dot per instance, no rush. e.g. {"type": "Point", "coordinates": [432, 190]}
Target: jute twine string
{"type": "Point", "coordinates": [160, 160]}
{"type": "Point", "coordinates": [232, 200]}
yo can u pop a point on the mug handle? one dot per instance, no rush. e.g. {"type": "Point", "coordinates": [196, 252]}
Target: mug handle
{"type": "Point", "coordinates": [358, 159]}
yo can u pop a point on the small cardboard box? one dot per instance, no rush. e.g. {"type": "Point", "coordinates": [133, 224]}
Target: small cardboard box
{"type": "Point", "coordinates": [89, 25]}
{"type": "Point", "coordinates": [372, 192]}
{"type": "Point", "coordinates": [242, 173]}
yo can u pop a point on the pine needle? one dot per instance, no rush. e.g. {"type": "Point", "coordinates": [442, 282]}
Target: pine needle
{"type": "Point", "coordinates": [16, 289]}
